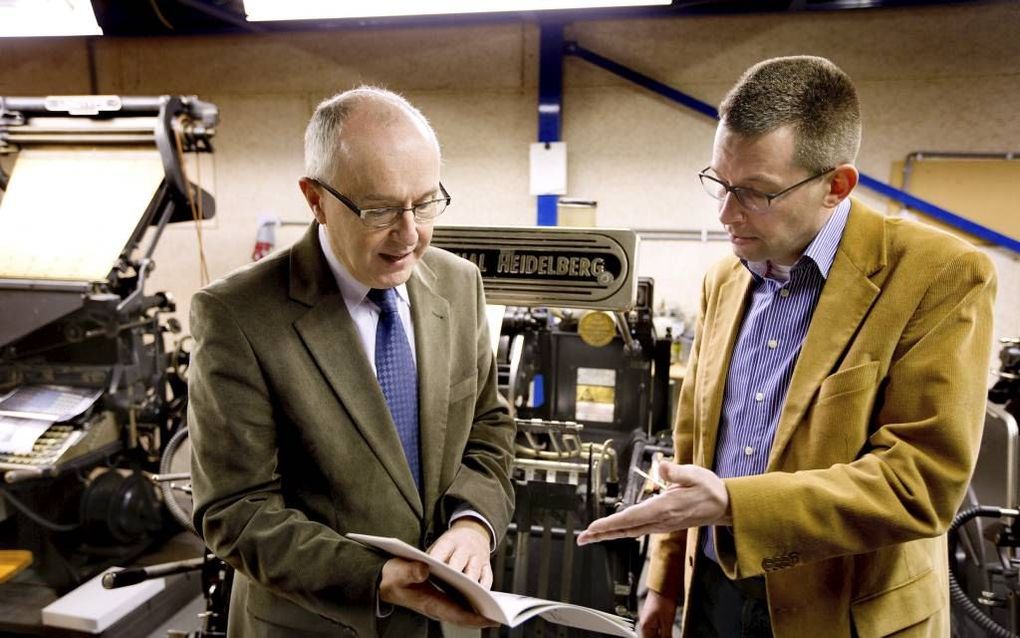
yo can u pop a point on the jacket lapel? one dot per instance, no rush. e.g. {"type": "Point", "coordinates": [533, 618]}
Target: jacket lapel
{"type": "Point", "coordinates": [332, 339]}
{"type": "Point", "coordinates": [846, 298]}
{"type": "Point", "coordinates": [432, 337]}
{"type": "Point", "coordinates": [726, 321]}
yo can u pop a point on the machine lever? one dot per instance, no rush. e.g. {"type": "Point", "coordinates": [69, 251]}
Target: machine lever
{"type": "Point", "coordinates": [135, 575]}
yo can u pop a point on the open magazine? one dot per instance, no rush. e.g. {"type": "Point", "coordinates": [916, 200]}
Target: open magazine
{"type": "Point", "coordinates": [509, 609]}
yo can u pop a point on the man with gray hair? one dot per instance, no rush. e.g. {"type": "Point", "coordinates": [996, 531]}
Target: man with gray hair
{"type": "Point", "coordinates": [347, 384]}
{"type": "Point", "coordinates": [833, 403]}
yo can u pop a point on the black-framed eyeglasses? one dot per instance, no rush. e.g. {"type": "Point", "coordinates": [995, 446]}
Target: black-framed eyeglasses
{"type": "Point", "coordinates": [386, 216]}
{"type": "Point", "coordinates": [749, 198]}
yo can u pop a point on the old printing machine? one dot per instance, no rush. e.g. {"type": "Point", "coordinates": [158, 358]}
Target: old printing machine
{"type": "Point", "coordinates": [588, 380]}
{"type": "Point", "coordinates": [588, 383]}
{"type": "Point", "coordinates": [91, 384]}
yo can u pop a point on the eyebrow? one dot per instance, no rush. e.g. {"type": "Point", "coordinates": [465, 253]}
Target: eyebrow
{"type": "Point", "coordinates": [377, 197]}
{"type": "Point", "coordinates": [760, 178]}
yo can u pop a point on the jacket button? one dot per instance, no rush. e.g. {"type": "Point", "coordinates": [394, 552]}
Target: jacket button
{"type": "Point", "coordinates": [690, 561]}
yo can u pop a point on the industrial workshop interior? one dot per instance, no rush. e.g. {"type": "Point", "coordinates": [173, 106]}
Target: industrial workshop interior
{"type": "Point", "coordinates": [718, 332]}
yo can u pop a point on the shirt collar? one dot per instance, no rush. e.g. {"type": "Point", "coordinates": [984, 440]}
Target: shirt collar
{"type": "Point", "coordinates": [353, 291]}
{"type": "Point", "coordinates": [821, 250]}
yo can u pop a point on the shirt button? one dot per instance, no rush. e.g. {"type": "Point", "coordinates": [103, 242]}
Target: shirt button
{"type": "Point", "coordinates": [748, 451]}
{"type": "Point", "coordinates": [772, 344]}
{"type": "Point", "coordinates": [759, 397]}
{"type": "Point", "coordinates": [785, 292]}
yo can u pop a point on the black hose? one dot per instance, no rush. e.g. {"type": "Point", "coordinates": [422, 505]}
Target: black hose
{"type": "Point", "coordinates": [956, 593]}
{"type": "Point", "coordinates": [36, 518]}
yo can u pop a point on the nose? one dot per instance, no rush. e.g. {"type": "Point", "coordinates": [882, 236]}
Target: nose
{"type": "Point", "coordinates": [730, 209]}
{"type": "Point", "coordinates": [405, 229]}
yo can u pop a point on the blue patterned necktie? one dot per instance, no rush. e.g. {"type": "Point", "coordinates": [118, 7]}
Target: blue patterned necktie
{"type": "Point", "coordinates": [394, 366]}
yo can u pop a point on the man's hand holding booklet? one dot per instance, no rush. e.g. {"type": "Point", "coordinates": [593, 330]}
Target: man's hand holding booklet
{"type": "Point", "coordinates": [509, 609]}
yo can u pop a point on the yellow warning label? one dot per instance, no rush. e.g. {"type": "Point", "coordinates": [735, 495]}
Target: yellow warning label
{"type": "Point", "coordinates": [595, 394]}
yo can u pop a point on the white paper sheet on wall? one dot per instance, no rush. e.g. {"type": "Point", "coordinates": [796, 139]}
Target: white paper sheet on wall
{"type": "Point", "coordinates": [548, 161]}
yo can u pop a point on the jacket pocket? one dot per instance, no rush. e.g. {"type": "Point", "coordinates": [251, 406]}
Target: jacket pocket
{"type": "Point", "coordinates": [858, 377]}
{"type": "Point", "coordinates": [463, 388]}
{"type": "Point", "coordinates": [898, 608]}
{"type": "Point", "coordinates": [276, 610]}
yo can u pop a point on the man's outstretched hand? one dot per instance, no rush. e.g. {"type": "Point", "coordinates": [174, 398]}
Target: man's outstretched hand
{"type": "Point", "coordinates": [695, 497]}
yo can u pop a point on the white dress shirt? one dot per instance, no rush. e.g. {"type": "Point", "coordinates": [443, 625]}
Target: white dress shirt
{"type": "Point", "coordinates": [366, 318]}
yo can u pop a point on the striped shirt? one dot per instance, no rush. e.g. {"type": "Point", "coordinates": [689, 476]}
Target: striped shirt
{"type": "Point", "coordinates": [766, 352]}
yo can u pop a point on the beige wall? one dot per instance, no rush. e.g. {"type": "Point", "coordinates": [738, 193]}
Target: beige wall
{"type": "Point", "coordinates": [939, 78]}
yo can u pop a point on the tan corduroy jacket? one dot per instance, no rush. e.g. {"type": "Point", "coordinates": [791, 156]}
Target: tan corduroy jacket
{"type": "Point", "coordinates": [875, 444]}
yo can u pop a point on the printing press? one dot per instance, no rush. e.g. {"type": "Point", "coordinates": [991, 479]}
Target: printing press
{"type": "Point", "coordinates": [587, 378]}
{"type": "Point", "coordinates": [984, 538]}
{"type": "Point", "coordinates": [91, 375]}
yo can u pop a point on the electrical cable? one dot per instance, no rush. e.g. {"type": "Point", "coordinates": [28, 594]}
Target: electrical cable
{"type": "Point", "coordinates": [160, 16]}
{"type": "Point", "coordinates": [36, 518]}
{"type": "Point", "coordinates": [196, 211]}
{"type": "Point", "coordinates": [956, 592]}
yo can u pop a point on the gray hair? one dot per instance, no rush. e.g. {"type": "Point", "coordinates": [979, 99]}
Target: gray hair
{"type": "Point", "coordinates": [810, 94]}
{"type": "Point", "coordinates": [323, 131]}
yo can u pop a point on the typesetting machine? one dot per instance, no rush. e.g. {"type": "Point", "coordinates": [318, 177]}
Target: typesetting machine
{"type": "Point", "coordinates": [588, 381]}
{"type": "Point", "coordinates": [91, 377]}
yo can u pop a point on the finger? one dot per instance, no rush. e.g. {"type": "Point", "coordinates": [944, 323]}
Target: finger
{"type": "Point", "coordinates": [441, 607]}
{"type": "Point", "coordinates": [415, 572]}
{"type": "Point", "coordinates": [442, 549]}
{"type": "Point", "coordinates": [653, 629]}
{"type": "Point", "coordinates": [486, 578]}
{"type": "Point", "coordinates": [634, 516]}
{"type": "Point", "coordinates": [459, 560]}
{"type": "Point", "coordinates": [473, 568]}
{"type": "Point", "coordinates": [683, 475]}
{"type": "Point", "coordinates": [661, 627]}
{"type": "Point", "coordinates": [588, 536]}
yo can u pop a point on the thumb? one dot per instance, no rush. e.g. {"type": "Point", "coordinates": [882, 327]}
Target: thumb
{"type": "Point", "coordinates": [417, 572]}
{"type": "Point", "coordinates": [677, 474]}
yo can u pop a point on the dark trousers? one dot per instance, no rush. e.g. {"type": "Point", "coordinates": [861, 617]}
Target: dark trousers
{"type": "Point", "coordinates": [723, 608]}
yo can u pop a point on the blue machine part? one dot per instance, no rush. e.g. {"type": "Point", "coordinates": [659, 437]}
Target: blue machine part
{"type": "Point", "coordinates": [550, 103]}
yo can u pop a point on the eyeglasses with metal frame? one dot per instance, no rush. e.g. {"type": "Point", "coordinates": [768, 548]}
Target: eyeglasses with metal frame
{"type": "Point", "coordinates": [385, 217]}
{"type": "Point", "coordinates": [749, 198]}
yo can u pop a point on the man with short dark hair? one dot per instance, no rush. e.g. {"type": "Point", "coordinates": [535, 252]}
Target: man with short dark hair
{"type": "Point", "coordinates": [348, 384]}
{"type": "Point", "coordinates": [833, 404]}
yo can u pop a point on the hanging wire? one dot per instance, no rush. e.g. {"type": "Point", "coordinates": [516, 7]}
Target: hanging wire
{"type": "Point", "coordinates": [160, 16]}
{"type": "Point", "coordinates": [196, 209]}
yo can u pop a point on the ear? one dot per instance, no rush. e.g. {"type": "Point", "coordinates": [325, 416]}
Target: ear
{"type": "Point", "coordinates": [314, 198]}
{"type": "Point", "coordinates": [844, 179]}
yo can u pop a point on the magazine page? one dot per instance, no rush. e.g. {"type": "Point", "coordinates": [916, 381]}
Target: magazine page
{"type": "Point", "coordinates": [522, 608]}
{"type": "Point", "coordinates": [509, 609]}
{"type": "Point", "coordinates": [479, 597]}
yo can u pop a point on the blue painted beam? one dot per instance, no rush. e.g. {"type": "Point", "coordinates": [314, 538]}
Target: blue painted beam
{"type": "Point", "coordinates": [550, 103]}
{"type": "Point", "coordinates": [573, 48]}
{"type": "Point", "coordinates": [941, 214]}
{"type": "Point", "coordinates": [670, 93]}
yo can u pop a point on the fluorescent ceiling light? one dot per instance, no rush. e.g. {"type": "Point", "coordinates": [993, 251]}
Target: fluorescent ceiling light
{"type": "Point", "coordinates": [264, 10]}
{"type": "Point", "coordinates": [29, 18]}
